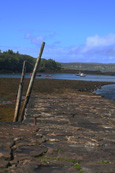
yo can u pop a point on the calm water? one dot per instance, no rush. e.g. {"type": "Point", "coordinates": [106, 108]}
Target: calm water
{"type": "Point", "coordinates": [108, 91]}
{"type": "Point", "coordinates": [105, 78]}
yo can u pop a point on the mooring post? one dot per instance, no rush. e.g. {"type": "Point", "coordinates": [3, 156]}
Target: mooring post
{"type": "Point", "coordinates": [19, 95]}
{"type": "Point", "coordinates": [35, 120]}
{"type": "Point", "coordinates": [31, 82]}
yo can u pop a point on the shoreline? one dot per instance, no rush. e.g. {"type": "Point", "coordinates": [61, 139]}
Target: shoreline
{"type": "Point", "coordinates": [71, 71]}
{"type": "Point", "coordinates": [9, 88]}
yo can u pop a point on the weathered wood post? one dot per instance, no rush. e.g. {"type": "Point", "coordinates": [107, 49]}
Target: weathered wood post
{"type": "Point", "coordinates": [31, 82]}
{"type": "Point", "coordinates": [19, 95]}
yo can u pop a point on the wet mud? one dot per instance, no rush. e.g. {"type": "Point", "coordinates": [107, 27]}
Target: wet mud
{"type": "Point", "coordinates": [9, 89]}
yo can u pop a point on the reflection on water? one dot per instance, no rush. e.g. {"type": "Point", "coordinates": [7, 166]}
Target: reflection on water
{"type": "Point", "coordinates": [2, 102]}
{"type": "Point", "coordinates": [5, 102]}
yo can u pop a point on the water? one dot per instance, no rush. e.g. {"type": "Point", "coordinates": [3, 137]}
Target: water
{"type": "Point", "coordinates": [104, 78]}
{"type": "Point", "coordinates": [107, 91]}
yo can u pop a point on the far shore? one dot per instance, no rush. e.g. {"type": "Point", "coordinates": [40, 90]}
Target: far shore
{"type": "Point", "coordinates": [71, 71]}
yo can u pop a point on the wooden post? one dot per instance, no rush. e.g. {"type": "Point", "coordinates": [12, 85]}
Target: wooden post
{"type": "Point", "coordinates": [19, 95]}
{"type": "Point", "coordinates": [31, 82]}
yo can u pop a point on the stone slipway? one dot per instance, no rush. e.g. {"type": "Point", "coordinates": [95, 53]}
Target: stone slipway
{"type": "Point", "coordinates": [74, 133]}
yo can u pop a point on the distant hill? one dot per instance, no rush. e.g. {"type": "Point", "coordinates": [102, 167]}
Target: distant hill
{"type": "Point", "coordinates": [89, 66]}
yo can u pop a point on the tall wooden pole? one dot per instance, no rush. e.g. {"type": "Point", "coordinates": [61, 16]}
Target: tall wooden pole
{"type": "Point", "coordinates": [19, 95]}
{"type": "Point", "coordinates": [31, 82]}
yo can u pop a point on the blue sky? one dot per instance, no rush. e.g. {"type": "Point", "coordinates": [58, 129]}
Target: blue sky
{"type": "Point", "coordinates": [74, 30]}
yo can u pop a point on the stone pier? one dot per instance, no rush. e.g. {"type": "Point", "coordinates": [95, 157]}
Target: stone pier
{"type": "Point", "coordinates": [73, 132]}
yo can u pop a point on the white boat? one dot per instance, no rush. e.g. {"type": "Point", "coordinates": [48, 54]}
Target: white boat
{"type": "Point", "coordinates": [80, 73]}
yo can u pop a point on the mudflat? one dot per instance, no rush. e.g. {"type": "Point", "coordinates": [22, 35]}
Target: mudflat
{"type": "Point", "coordinates": [9, 89]}
{"type": "Point", "coordinates": [74, 131]}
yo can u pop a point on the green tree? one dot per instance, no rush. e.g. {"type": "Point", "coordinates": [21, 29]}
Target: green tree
{"type": "Point", "coordinates": [10, 52]}
{"type": "Point", "coordinates": [13, 62]}
{"type": "Point", "coordinates": [49, 65]}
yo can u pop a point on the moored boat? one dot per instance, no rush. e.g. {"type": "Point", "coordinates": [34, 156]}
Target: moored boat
{"type": "Point", "coordinates": [47, 75]}
{"type": "Point", "coordinates": [82, 75]}
{"type": "Point", "coordinates": [36, 74]}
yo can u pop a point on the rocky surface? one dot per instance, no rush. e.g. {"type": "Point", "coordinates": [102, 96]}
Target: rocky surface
{"type": "Point", "coordinates": [74, 132]}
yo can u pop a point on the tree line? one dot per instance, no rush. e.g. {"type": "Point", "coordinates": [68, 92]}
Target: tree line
{"type": "Point", "coordinates": [13, 62]}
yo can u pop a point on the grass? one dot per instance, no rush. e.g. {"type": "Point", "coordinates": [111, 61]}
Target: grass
{"type": "Point", "coordinates": [47, 160]}
{"type": "Point", "coordinates": [77, 165]}
{"type": "Point", "coordinates": [58, 152]}
{"type": "Point", "coordinates": [105, 162]}
{"type": "Point", "coordinates": [68, 160]}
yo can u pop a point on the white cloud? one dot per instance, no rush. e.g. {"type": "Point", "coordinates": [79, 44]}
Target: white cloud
{"type": "Point", "coordinates": [34, 39]}
{"type": "Point", "coordinates": [97, 41]}
{"type": "Point", "coordinates": [40, 37]}
{"type": "Point", "coordinates": [96, 49]}
{"type": "Point", "coordinates": [27, 35]}
{"type": "Point", "coordinates": [37, 40]}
